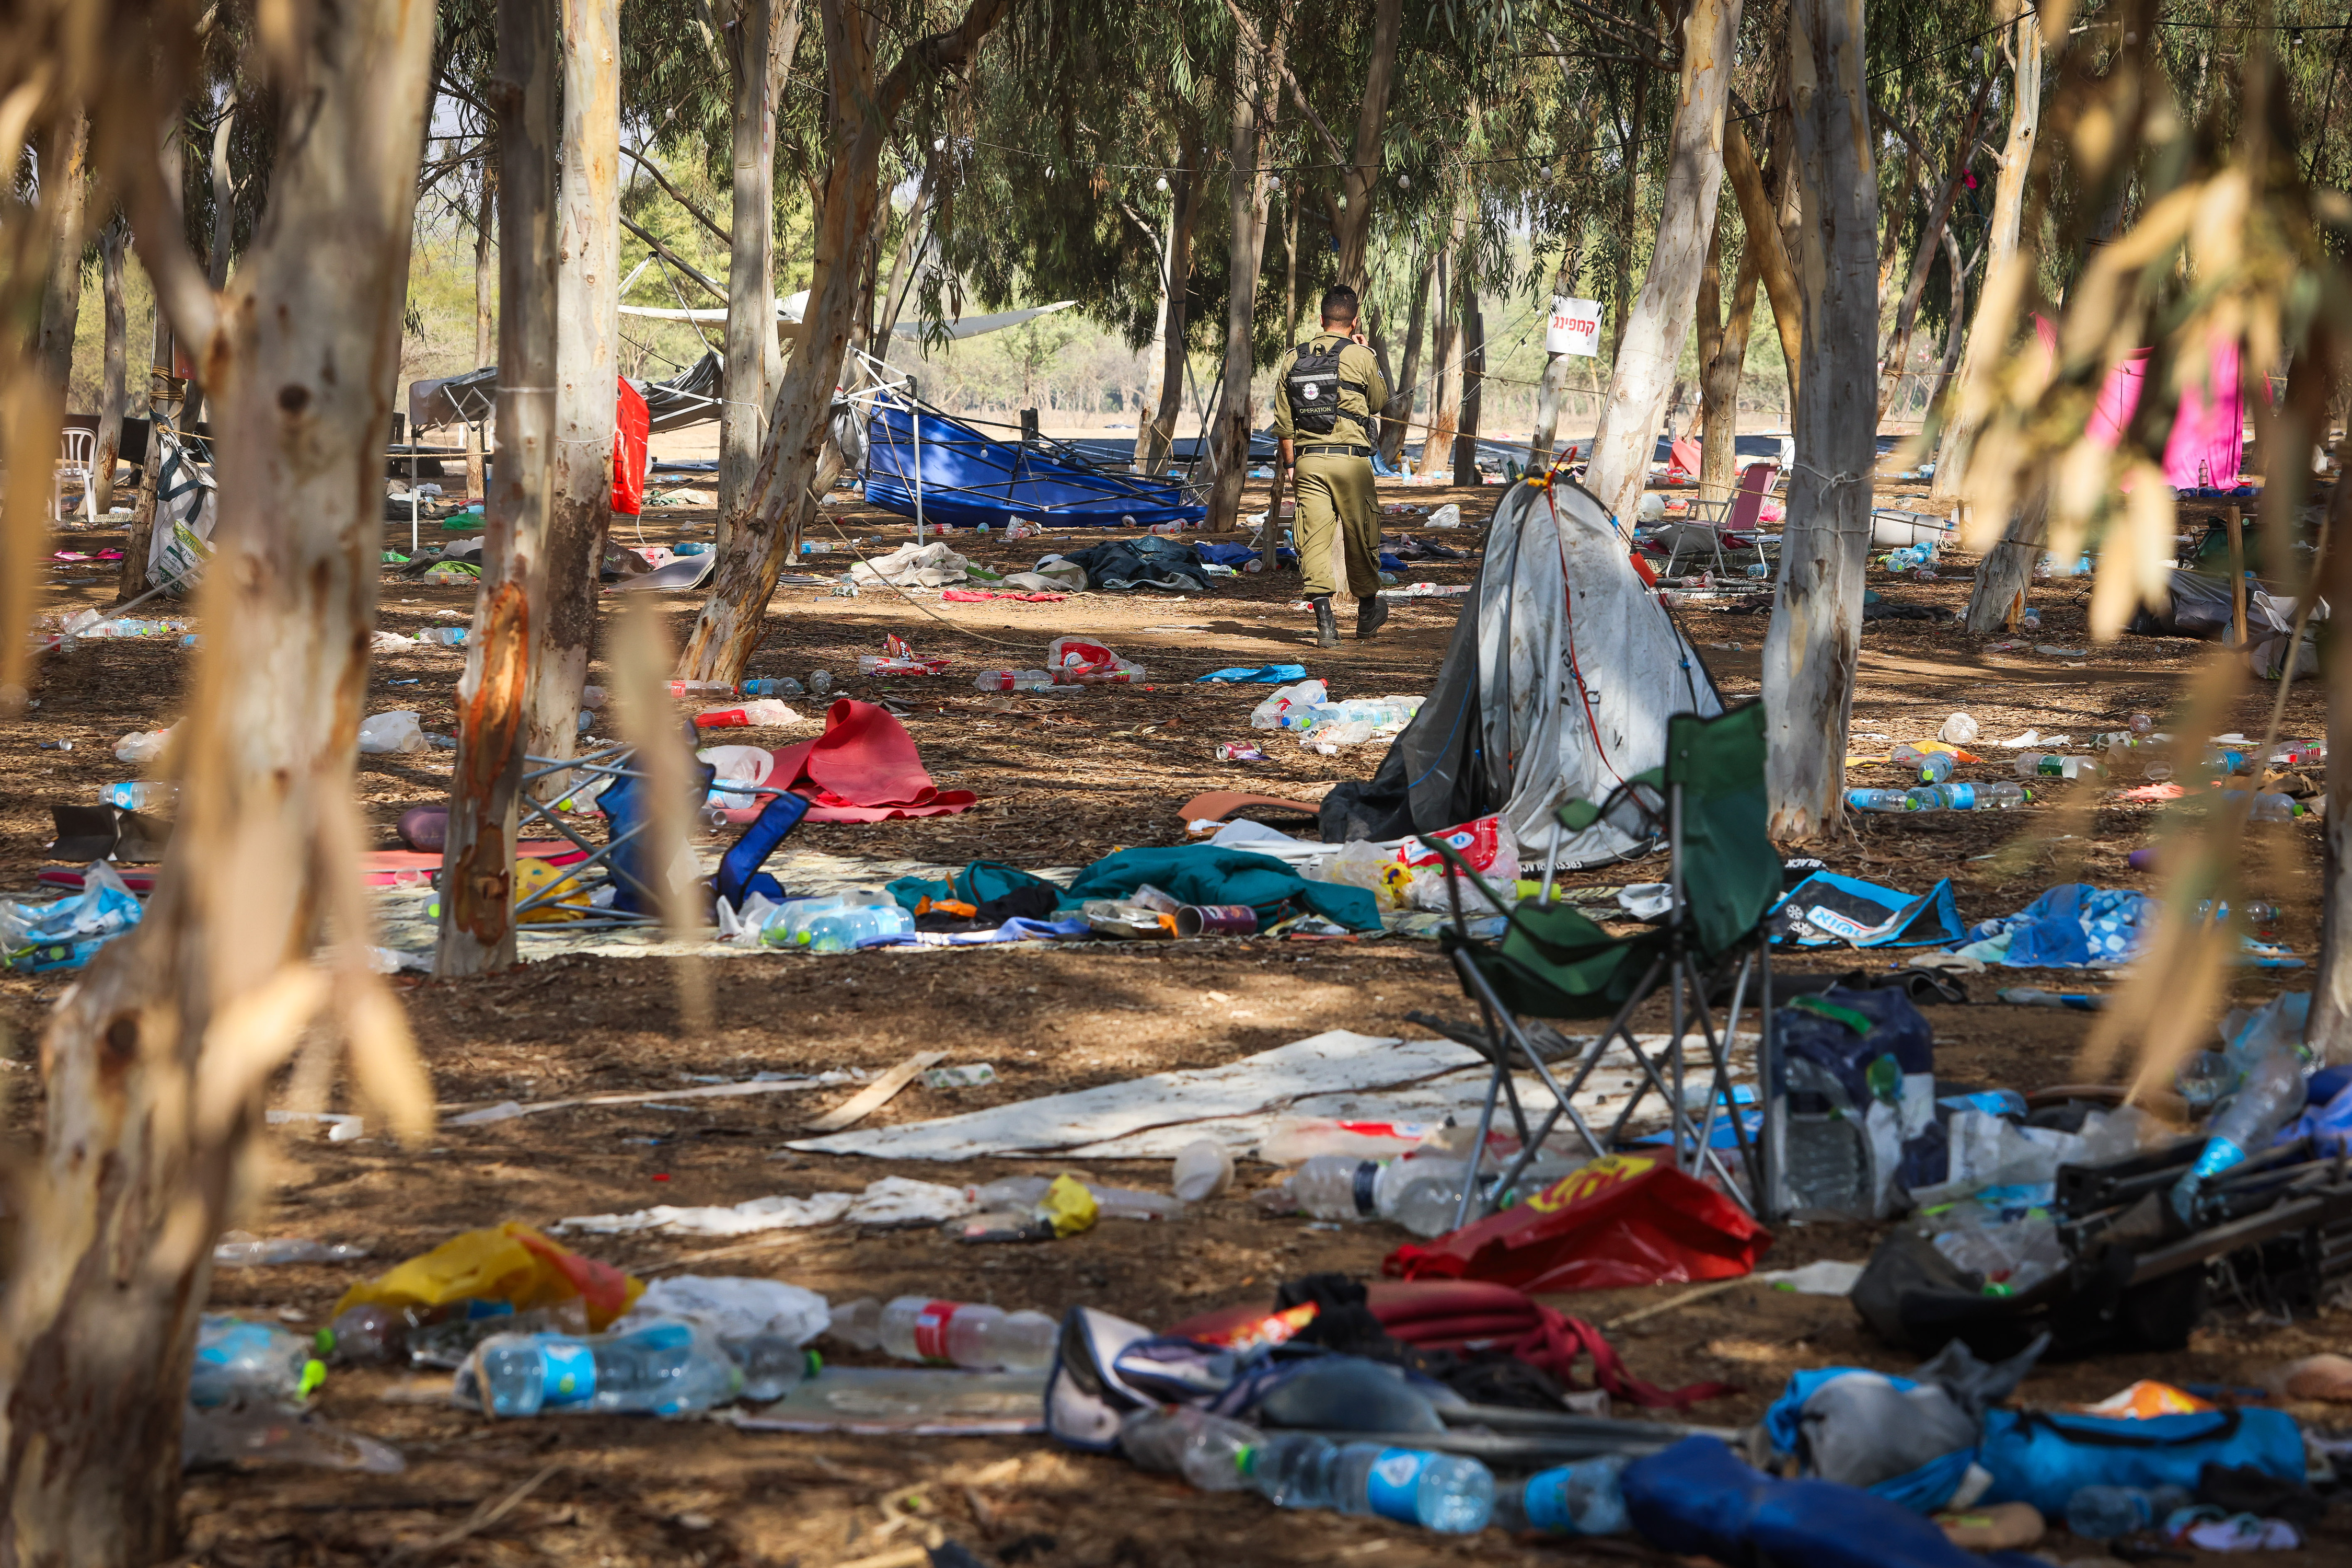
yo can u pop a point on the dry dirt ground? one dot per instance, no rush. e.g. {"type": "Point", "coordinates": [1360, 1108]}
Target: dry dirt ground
{"type": "Point", "coordinates": [1062, 779]}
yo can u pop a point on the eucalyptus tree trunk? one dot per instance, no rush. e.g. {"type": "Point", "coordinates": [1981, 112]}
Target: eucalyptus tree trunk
{"type": "Point", "coordinates": [477, 933]}
{"type": "Point", "coordinates": [793, 461]}
{"type": "Point", "coordinates": [1760, 215]}
{"type": "Point", "coordinates": [65, 155]}
{"type": "Point", "coordinates": [1396, 422]}
{"type": "Point", "coordinates": [1659, 324]}
{"type": "Point", "coordinates": [587, 375]}
{"type": "Point", "coordinates": [1290, 200]}
{"type": "Point", "coordinates": [1722, 356]}
{"type": "Point", "coordinates": [1816, 629]}
{"type": "Point", "coordinates": [902, 265]}
{"type": "Point", "coordinates": [1989, 332]}
{"type": "Point", "coordinates": [1351, 210]}
{"type": "Point", "coordinates": [1922, 259]}
{"type": "Point", "coordinates": [1554, 383]}
{"type": "Point", "coordinates": [130, 580]}
{"type": "Point", "coordinates": [2329, 1031]}
{"type": "Point", "coordinates": [2002, 574]}
{"type": "Point", "coordinates": [1446, 349]}
{"type": "Point", "coordinates": [1257, 75]}
{"type": "Point", "coordinates": [1158, 436]}
{"type": "Point", "coordinates": [224, 237]}
{"type": "Point", "coordinates": [155, 1061]}
{"type": "Point", "coordinates": [486, 313]}
{"type": "Point", "coordinates": [114, 396]}
{"type": "Point", "coordinates": [1629, 149]}
{"type": "Point", "coordinates": [763, 38]}
{"type": "Point", "coordinates": [1473, 385]}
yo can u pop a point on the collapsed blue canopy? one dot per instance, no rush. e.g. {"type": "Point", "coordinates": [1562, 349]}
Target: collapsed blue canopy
{"type": "Point", "coordinates": [969, 480]}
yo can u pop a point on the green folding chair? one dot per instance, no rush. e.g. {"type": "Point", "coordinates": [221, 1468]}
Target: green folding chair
{"type": "Point", "coordinates": [1723, 877]}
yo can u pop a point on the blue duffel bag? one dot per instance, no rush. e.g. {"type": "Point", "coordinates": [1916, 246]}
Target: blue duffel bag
{"type": "Point", "coordinates": [2044, 1457]}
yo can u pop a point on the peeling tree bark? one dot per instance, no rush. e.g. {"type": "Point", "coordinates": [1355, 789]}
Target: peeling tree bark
{"type": "Point", "coordinates": [792, 455]}
{"type": "Point", "coordinates": [1988, 336]}
{"type": "Point", "coordinates": [155, 1061]}
{"type": "Point", "coordinates": [1548, 393]}
{"type": "Point", "coordinates": [761, 38]}
{"type": "Point", "coordinates": [485, 320]}
{"type": "Point", "coordinates": [64, 158]}
{"type": "Point", "coordinates": [115, 394]}
{"type": "Point", "coordinates": [1815, 635]}
{"type": "Point", "coordinates": [1473, 385]}
{"type": "Point", "coordinates": [477, 933]}
{"type": "Point", "coordinates": [1445, 348]}
{"type": "Point", "coordinates": [1659, 323]}
{"type": "Point", "coordinates": [1258, 80]}
{"type": "Point", "coordinates": [587, 361]}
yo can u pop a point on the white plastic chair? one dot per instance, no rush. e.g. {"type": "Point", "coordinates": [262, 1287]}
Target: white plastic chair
{"type": "Point", "coordinates": [77, 458]}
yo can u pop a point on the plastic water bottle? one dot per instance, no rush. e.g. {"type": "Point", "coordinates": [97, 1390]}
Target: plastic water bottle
{"type": "Point", "coordinates": [1586, 1498]}
{"type": "Point", "coordinates": [2000, 796]}
{"type": "Point", "coordinates": [1211, 1452]}
{"type": "Point", "coordinates": [786, 687]}
{"type": "Point", "coordinates": [241, 1362]}
{"type": "Point", "coordinates": [820, 682]}
{"type": "Point", "coordinates": [138, 796]}
{"type": "Point", "coordinates": [1437, 1491]}
{"type": "Point", "coordinates": [791, 924]}
{"type": "Point", "coordinates": [1921, 799]}
{"type": "Point", "coordinates": [1934, 767]}
{"type": "Point", "coordinates": [840, 931]}
{"type": "Point", "coordinates": [2103, 1513]}
{"type": "Point", "coordinates": [447, 636]}
{"type": "Point", "coordinates": [1422, 1194]}
{"type": "Point", "coordinates": [950, 1333]}
{"type": "Point", "coordinates": [2271, 1096]}
{"type": "Point", "coordinates": [1012, 680]}
{"type": "Point", "coordinates": [665, 1368]}
{"type": "Point", "coordinates": [700, 689]}
{"type": "Point", "coordinates": [2052, 765]}
{"type": "Point", "coordinates": [2270, 806]}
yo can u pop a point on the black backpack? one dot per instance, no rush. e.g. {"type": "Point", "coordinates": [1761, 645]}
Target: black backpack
{"type": "Point", "coordinates": [1313, 388]}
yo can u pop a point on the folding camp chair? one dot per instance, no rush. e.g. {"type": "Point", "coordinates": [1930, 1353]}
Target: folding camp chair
{"type": "Point", "coordinates": [1723, 879]}
{"type": "Point", "coordinates": [1740, 514]}
{"type": "Point", "coordinates": [621, 863]}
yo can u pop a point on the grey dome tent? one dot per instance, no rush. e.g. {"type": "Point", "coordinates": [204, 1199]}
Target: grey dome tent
{"type": "Point", "coordinates": [1563, 670]}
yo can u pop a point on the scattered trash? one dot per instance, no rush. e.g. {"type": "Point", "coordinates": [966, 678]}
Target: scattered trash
{"type": "Point", "coordinates": [239, 1249]}
{"type": "Point", "coordinates": [400, 731]}
{"type": "Point", "coordinates": [968, 1076]}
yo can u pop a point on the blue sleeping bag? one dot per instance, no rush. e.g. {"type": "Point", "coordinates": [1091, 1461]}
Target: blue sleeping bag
{"type": "Point", "coordinates": [2044, 1457]}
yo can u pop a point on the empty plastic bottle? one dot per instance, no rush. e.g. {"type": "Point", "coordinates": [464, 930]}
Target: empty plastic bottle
{"type": "Point", "coordinates": [956, 1334]}
{"type": "Point", "coordinates": [238, 1363]}
{"type": "Point", "coordinates": [1920, 799]}
{"type": "Point", "coordinates": [1586, 1498]}
{"type": "Point", "coordinates": [2141, 723]}
{"type": "Point", "coordinates": [786, 687]}
{"type": "Point", "coordinates": [2272, 1095]}
{"type": "Point", "coordinates": [2223, 760]}
{"type": "Point", "coordinates": [791, 924]}
{"type": "Point", "coordinates": [446, 635]}
{"type": "Point", "coordinates": [700, 689]}
{"type": "Point", "coordinates": [665, 1368]}
{"type": "Point", "coordinates": [2103, 1513]}
{"type": "Point", "coordinates": [138, 796]}
{"type": "Point", "coordinates": [1211, 1452]}
{"type": "Point", "coordinates": [1012, 680]}
{"type": "Point", "coordinates": [2052, 765]}
{"type": "Point", "coordinates": [1998, 796]}
{"type": "Point", "coordinates": [1934, 767]}
{"type": "Point", "coordinates": [368, 1335]}
{"type": "Point", "coordinates": [2270, 805]}
{"type": "Point", "coordinates": [820, 682]}
{"type": "Point", "coordinates": [1437, 1491]}
{"type": "Point", "coordinates": [840, 931]}
{"type": "Point", "coordinates": [1204, 1168]}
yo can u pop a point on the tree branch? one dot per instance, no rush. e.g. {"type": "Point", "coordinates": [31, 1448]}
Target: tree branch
{"type": "Point", "coordinates": [939, 52]}
{"type": "Point", "coordinates": [680, 197]}
{"type": "Point", "coordinates": [182, 289]}
{"type": "Point", "coordinates": [1298, 94]}
{"type": "Point", "coordinates": [674, 258]}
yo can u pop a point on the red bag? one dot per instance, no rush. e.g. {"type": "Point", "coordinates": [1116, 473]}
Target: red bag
{"type": "Point", "coordinates": [1628, 1219]}
{"type": "Point", "coordinates": [631, 430]}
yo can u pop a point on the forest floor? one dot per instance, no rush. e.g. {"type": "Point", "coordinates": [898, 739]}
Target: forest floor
{"type": "Point", "coordinates": [1062, 779]}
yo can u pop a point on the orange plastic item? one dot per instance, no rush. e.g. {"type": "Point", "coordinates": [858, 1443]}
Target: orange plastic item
{"type": "Point", "coordinates": [631, 433]}
{"type": "Point", "coordinates": [2148, 1398]}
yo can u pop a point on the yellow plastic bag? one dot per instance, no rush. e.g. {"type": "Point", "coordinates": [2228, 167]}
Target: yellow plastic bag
{"type": "Point", "coordinates": [1067, 1207]}
{"type": "Point", "coordinates": [512, 1263]}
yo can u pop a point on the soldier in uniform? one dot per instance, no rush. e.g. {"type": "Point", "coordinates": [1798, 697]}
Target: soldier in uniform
{"type": "Point", "coordinates": [1326, 392]}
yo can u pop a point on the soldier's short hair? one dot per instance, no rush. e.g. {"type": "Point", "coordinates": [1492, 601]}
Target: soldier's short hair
{"type": "Point", "coordinates": [1338, 304]}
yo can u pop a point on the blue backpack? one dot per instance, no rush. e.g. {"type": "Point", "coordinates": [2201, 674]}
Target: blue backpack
{"type": "Point", "coordinates": [2044, 1457]}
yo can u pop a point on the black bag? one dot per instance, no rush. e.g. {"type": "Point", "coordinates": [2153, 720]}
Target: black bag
{"type": "Point", "coordinates": [1912, 1295]}
{"type": "Point", "coordinates": [1313, 388]}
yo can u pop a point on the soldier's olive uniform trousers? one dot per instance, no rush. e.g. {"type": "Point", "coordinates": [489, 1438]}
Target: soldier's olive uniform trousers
{"type": "Point", "coordinates": [1335, 496]}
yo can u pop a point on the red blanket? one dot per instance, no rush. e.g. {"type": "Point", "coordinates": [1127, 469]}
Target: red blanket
{"type": "Point", "coordinates": [864, 768]}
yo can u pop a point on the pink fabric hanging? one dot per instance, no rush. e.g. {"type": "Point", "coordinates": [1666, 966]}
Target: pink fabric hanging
{"type": "Point", "coordinates": [2207, 439]}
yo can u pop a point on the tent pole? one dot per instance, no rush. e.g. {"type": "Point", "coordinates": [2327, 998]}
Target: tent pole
{"type": "Point", "coordinates": [916, 415]}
